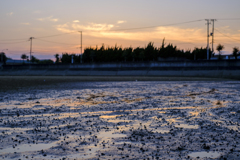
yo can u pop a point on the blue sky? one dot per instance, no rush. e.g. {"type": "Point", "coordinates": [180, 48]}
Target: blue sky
{"type": "Point", "coordinates": [99, 21]}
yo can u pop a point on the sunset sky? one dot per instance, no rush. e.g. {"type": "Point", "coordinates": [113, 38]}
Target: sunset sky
{"type": "Point", "coordinates": [55, 24]}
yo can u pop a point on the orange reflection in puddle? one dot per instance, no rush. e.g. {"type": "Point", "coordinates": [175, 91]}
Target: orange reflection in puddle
{"type": "Point", "coordinates": [195, 113]}
{"type": "Point", "coordinates": [187, 126]}
{"type": "Point", "coordinates": [162, 112]}
{"type": "Point", "coordinates": [108, 117]}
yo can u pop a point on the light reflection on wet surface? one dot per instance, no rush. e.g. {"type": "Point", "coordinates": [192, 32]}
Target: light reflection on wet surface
{"type": "Point", "coordinates": [123, 119]}
{"type": "Point", "coordinates": [27, 148]}
{"type": "Point", "coordinates": [205, 154]}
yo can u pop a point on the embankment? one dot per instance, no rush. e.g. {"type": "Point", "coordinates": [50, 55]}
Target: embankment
{"type": "Point", "coordinates": [203, 68]}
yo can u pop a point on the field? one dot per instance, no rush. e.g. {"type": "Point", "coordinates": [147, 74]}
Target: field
{"type": "Point", "coordinates": [119, 118]}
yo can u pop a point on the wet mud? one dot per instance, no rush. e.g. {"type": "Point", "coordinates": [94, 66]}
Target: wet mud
{"type": "Point", "coordinates": [122, 120]}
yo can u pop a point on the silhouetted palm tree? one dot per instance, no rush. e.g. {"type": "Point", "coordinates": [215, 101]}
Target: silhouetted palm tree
{"type": "Point", "coordinates": [23, 56]}
{"type": "Point", "coordinates": [57, 58]}
{"type": "Point", "coordinates": [219, 48]}
{"type": "Point", "coordinates": [235, 52]}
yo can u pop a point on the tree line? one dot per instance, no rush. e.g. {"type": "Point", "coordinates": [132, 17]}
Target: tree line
{"type": "Point", "coordinates": [148, 53]}
{"type": "Point", "coordinates": [119, 54]}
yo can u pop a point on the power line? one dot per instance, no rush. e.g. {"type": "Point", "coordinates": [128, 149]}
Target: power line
{"type": "Point", "coordinates": [173, 24]}
{"type": "Point", "coordinates": [14, 42]}
{"type": "Point", "coordinates": [13, 39]}
{"type": "Point", "coordinates": [57, 35]}
{"type": "Point", "coordinates": [41, 37]}
{"type": "Point", "coordinates": [227, 36]}
{"type": "Point", "coordinates": [229, 19]}
{"type": "Point", "coordinates": [54, 42]}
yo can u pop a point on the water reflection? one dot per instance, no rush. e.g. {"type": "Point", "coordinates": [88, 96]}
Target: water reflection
{"type": "Point", "coordinates": [204, 154]}
{"type": "Point", "coordinates": [28, 148]}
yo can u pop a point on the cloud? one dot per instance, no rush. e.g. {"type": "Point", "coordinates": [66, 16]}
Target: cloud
{"type": "Point", "coordinates": [119, 22]}
{"type": "Point", "coordinates": [188, 35]}
{"type": "Point", "coordinates": [25, 23]}
{"type": "Point", "coordinates": [48, 19]}
{"type": "Point", "coordinates": [182, 37]}
{"type": "Point", "coordinates": [89, 27]}
{"type": "Point", "coordinates": [76, 21]}
{"type": "Point", "coordinates": [9, 14]}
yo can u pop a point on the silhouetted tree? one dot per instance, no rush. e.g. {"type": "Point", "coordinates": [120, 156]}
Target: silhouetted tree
{"type": "Point", "coordinates": [235, 52]}
{"type": "Point", "coordinates": [200, 53]}
{"type": "Point", "coordinates": [137, 54]}
{"type": "Point", "coordinates": [150, 52]}
{"type": "Point", "coordinates": [219, 48]}
{"type": "Point", "coordinates": [124, 55]}
{"type": "Point", "coordinates": [142, 55]}
{"type": "Point", "coordinates": [66, 58]}
{"type": "Point", "coordinates": [57, 58]}
{"type": "Point", "coordinates": [48, 61]}
{"type": "Point", "coordinates": [23, 56]}
{"type": "Point", "coordinates": [34, 60]}
{"type": "Point", "coordinates": [3, 58]}
{"type": "Point", "coordinates": [133, 55]}
{"type": "Point", "coordinates": [92, 55]}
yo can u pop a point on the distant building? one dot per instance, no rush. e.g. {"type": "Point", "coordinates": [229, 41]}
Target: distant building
{"type": "Point", "coordinates": [215, 57]}
{"type": "Point", "coordinates": [16, 62]}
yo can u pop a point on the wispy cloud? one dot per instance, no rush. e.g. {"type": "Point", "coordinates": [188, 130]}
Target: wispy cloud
{"type": "Point", "coordinates": [89, 27]}
{"type": "Point", "coordinates": [107, 31]}
{"type": "Point", "coordinates": [48, 19]}
{"type": "Point", "coordinates": [76, 21]}
{"type": "Point", "coordinates": [10, 14]}
{"type": "Point", "coordinates": [119, 22]}
{"type": "Point", "coordinates": [181, 37]}
{"type": "Point", "coordinates": [25, 24]}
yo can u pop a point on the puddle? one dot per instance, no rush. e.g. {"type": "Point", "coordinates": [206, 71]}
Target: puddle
{"type": "Point", "coordinates": [108, 117]}
{"type": "Point", "coordinates": [86, 153]}
{"type": "Point", "coordinates": [89, 152]}
{"type": "Point", "coordinates": [118, 120]}
{"type": "Point", "coordinates": [236, 128]}
{"type": "Point", "coordinates": [196, 113]}
{"type": "Point", "coordinates": [205, 154]}
{"type": "Point", "coordinates": [28, 147]}
{"type": "Point", "coordinates": [110, 135]}
{"type": "Point", "coordinates": [160, 131]}
{"type": "Point", "coordinates": [187, 126]}
{"type": "Point", "coordinates": [14, 129]}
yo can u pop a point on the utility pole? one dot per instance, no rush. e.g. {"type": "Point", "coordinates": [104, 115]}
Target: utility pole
{"type": "Point", "coordinates": [207, 38]}
{"type": "Point", "coordinates": [212, 34]}
{"type": "Point", "coordinates": [81, 46]}
{"type": "Point", "coordinates": [30, 39]}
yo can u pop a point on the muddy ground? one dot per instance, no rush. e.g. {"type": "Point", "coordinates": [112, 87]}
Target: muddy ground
{"type": "Point", "coordinates": [8, 83]}
{"type": "Point", "coordinates": [121, 120]}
